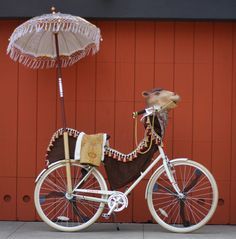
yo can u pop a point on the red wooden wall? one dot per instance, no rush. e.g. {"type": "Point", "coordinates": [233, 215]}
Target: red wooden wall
{"type": "Point", "coordinates": [195, 59]}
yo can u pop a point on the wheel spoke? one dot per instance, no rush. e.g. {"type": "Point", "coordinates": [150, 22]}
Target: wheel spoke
{"type": "Point", "coordinates": [171, 200]}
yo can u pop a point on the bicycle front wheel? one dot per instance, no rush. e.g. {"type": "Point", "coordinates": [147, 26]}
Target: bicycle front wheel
{"type": "Point", "coordinates": [63, 212]}
{"type": "Point", "coordinates": [195, 206]}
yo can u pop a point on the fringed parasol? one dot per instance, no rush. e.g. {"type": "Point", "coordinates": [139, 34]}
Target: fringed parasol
{"type": "Point", "coordinates": [33, 43]}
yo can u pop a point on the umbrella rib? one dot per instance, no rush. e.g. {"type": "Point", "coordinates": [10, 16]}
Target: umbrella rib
{"type": "Point", "coordinates": [28, 42]}
{"type": "Point", "coordinates": [39, 43]}
{"type": "Point", "coordinates": [75, 36]}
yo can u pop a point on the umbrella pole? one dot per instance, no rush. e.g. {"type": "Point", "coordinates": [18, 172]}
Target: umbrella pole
{"type": "Point", "coordinates": [63, 116]}
{"type": "Point", "coordinates": [60, 85]}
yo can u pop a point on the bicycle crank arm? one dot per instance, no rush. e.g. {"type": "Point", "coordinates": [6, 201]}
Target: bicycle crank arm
{"type": "Point", "coordinates": [91, 199]}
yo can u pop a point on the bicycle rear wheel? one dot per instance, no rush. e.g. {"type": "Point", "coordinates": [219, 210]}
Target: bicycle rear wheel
{"type": "Point", "coordinates": [197, 204]}
{"type": "Point", "coordinates": [66, 213]}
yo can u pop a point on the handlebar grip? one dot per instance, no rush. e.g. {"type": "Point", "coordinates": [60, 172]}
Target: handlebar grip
{"type": "Point", "coordinates": [140, 112]}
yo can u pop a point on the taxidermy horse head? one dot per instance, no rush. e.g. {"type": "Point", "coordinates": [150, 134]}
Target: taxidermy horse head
{"type": "Point", "coordinates": [161, 97]}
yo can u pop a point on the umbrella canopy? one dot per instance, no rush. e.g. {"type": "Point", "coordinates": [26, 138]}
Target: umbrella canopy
{"type": "Point", "coordinates": [33, 42]}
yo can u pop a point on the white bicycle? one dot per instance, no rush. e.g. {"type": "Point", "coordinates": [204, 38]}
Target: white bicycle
{"type": "Point", "coordinates": [181, 194]}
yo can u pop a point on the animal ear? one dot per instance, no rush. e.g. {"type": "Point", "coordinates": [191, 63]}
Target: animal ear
{"type": "Point", "coordinates": [145, 93]}
{"type": "Point", "coordinates": [155, 91]}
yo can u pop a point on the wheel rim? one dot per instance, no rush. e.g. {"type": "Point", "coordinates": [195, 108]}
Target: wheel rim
{"type": "Point", "coordinates": [191, 211]}
{"type": "Point", "coordinates": [61, 210]}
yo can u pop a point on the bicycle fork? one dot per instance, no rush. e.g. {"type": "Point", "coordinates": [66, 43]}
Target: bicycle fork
{"type": "Point", "coordinates": [169, 173]}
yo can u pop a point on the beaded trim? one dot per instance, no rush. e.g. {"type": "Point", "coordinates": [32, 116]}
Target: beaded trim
{"type": "Point", "coordinates": [150, 136]}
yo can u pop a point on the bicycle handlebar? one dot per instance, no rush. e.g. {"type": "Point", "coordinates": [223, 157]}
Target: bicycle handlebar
{"type": "Point", "coordinates": [153, 109]}
{"type": "Point", "coordinates": [147, 110]}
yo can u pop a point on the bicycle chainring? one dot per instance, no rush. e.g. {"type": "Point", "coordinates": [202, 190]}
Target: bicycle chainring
{"type": "Point", "coordinates": [119, 199]}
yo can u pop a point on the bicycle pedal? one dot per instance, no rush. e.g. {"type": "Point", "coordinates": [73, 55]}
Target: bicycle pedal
{"type": "Point", "coordinates": [63, 219]}
{"type": "Point", "coordinates": [106, 216]}
{"type": "Point", "coordinates": [163, 212]}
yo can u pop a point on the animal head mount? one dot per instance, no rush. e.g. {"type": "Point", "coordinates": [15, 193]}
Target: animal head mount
{"type": "Point", "coordinates": [161, 97]}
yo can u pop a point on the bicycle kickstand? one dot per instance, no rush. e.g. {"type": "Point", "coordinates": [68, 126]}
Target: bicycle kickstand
{"type": "Point", "coordinates": [113, 216]}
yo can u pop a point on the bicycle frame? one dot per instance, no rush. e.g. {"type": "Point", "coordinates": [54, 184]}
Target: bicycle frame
{"type": "Point", "coordinates": [166, 165]}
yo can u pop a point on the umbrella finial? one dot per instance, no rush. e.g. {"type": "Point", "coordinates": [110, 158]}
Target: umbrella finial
{"type": "Point", "coordinates": [53, 10]}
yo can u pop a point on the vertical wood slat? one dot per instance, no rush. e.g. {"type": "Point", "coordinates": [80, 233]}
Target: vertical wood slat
{"type": "Point", "coordinates": [105, 80]}
{"type": "Point", "coordinates": [105, 83]}
{"type": "Point", "coordinates": [46, 113]}
{"type": "Point", "coordinates": [222, 90]}
{"type": "Point", "coordinates": [221, 124]}
{"type": "Point", "coordinates": [202, 95]}
{"type": "Point", "coordinates": [8, 129]}
{"type": "Point", "coordinates": [144, 58]}
{"type": "Point", "coordinates": [124, 94]}
{"type": "Point", "coordinates": [144, 80]}
{"type": "Point", "coordinates": [27, 124]}
{"type": "Point", "coordinates": [233, 143]}
{"type": "Point", "coordinates": [164, 70]}
{"type": "Point", "coordinates": [85, 95]}
{"type": "Point", "coordinates": [144, 63]}
{"type": "Point", "coordinates": [124, 85]}
{"type": "Point", "coordinates": [27, 119]}
{"type": "Point", "coordinates": [183, 85]}
{"type": "Point", "coordinates": [8, 104]}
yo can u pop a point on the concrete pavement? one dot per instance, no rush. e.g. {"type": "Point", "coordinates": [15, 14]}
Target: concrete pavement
{"type": "Point", "coordinates": [39, 230]}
